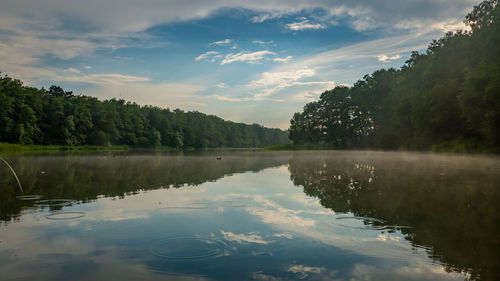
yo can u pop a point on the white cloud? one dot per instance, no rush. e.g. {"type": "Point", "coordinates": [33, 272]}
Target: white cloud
{"type": "Point", "coordinates": [260, 42]}
{"type": "Point", "coordinates": [285, 59]}
{"type": "Point", "coordinates": [271, 83]}
{"type": "Point", "coordinates": [347, 64]}
{"type": "Point", "coordinates": [266, 16]}
{"type": "Point", "coordinates": [252, 57]}
{"type": "Point", "coordinates": [34, 29]}
{"type": "Point", "coordinates": [72, 70]}
{"type": "Point", "coordinates": [242, 99]}
{"type": "Point", "coordinates": [165, 94]}
{"type": "Point", "coordinates": [102, 79]}
{"type": "Point", "coordinates": [277, 78]}
{"type": "Point", "coordinates": [221, 85]}
{"type": "Point", "coordinates": [283, 235]}
{"type": "Point", "coordinates": [220, 43]}
{"type": "Point", "coordinates": [206, 55]}
{"type": "Point", "coordinates": [304, 24]}
{"type": "Point", "coordinates": [385, 58]}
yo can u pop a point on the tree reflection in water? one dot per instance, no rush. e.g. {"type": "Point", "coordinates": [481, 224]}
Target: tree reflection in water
{"type": "Point", "coordinates": [449, 203]}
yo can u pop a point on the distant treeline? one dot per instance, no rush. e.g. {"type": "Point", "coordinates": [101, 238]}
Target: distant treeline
{"type": "Point", "coordinates": [39, 116]}
{"type": "Point", "coordinates": [447, 98]}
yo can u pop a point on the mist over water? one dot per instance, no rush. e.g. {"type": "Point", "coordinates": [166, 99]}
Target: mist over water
{"type": "Point", "coordinates": [326, 215]}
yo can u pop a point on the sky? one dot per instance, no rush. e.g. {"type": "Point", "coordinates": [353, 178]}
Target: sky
{"type": "Point", "coordinates": [253, 61]}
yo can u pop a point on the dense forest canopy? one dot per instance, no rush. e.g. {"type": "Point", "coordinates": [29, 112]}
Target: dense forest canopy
{"type": "Point", "coordinates": [448, 96]}
{"type": "Point", "coordinates": [39, 116]}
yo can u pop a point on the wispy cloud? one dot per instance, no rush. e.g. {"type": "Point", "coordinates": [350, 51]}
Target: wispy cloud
{"type": "Point", "coordinates": [284, 77]}
{"type": "Point", "coordinates": [285, 59]}
{"type": "Point", "coordinates": [304, 24]}
{"type": "Point", "coordinates": [271, 83]}
{"type": "Point", "coordinates": [163, 94]}
{"type": "Point", "coordinates": [267, 16]}
{"type": "Point", "coordinates": [207, 55]}
{"type": "Point", "coordinates": [260, 42]}
{"type": "Point", "coordinates": [220, 43]}
{"type": "Point", "coordinates": [386, 59]}
{"type": "Point", "coordinates": [244, 99]}
{"type": "Point", "coordinates": [106, 79]}
{"type": "Point", "coordinates": [249, 57]}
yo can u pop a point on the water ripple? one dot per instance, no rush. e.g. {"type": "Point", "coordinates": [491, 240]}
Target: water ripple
{"type": "Point", "coordinates": [65, 215]}
{"type": "Point", "coordinates": [187, 248]}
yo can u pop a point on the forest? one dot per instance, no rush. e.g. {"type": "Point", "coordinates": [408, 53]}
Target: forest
{"type": "Point", "coordinates": [447, 98]}
{"type": "Point", "coordinates": [38, 116]}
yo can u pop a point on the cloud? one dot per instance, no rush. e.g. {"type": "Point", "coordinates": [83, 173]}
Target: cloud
{"type": "Point", "coordinates": [165, 94]}
{"type": "Point", "coordinates": [347, 64]}
{"type": "Point", "coordinates": [249, 57]}
{"type": "Point", "coordinates": [72, 70]}
{"type": "Point", "coordinates": [220, 43]}
{"type": "Point", "coordinates": [108, 79]}
{"type": "Point", "coordinates": [304, 24]}
{"type": "Point", "coordinates": [266, 16]}
{"type": "Point", "coordinates": [221, 85]}
{"type": "Point", "coordinates": [285, 59]}
{"type": "Point", "coordinates": [385, 58]}
{"type": "Point", "coordinates": [206, 55]}
{"type": "Point", "coordinates": [271, 83]}
{"type": "Point", "coordinates": [285, 235]}
{"type": "Point", "coordinates": [244, 238]}
{"type": "Point", "coordinates": [276, 78]}
{"type": "Point", "coordinates": [115, 16]}
{"type": "Point", "coordinates": [260, 42]}
{"type": "Point", "coordinates": [243, 99]}
{"type": "Point", "coordinates": [69, 29]}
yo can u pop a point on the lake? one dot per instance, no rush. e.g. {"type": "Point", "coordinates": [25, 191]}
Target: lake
{"type": "Point", "coordinates": [250, 215]}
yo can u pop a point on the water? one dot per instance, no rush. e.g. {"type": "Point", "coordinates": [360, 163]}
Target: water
{"type": "Point", "coordinates": [251, 216]}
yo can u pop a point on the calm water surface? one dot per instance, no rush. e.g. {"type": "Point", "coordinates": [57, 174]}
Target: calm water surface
{"type": "Point", "coordinates": [251, 216]}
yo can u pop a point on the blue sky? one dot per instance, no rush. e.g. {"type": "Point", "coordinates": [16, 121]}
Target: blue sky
{"type": "Point", "coordinates": [247, 61]}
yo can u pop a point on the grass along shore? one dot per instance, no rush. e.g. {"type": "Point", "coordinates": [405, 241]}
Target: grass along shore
{"type": "Point", "coordinates": [15, 148]}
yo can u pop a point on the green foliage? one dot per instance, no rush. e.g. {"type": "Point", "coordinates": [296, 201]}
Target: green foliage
{"type": "Point", "coordinates": [449, 95]}
{"type": "Point", "coordinates": [56, 117]}
{"type": "Point", "coordinates": [14, 148]}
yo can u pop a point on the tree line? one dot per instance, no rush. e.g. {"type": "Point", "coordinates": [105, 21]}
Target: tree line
{"type": "Point", "coordinates": [38, 116]}
{"type": "Point", "coordinates": [448, 96]}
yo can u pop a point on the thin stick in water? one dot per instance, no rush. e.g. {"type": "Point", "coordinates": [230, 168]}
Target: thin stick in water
{"type": "Point", "coordinates": [17, 179]}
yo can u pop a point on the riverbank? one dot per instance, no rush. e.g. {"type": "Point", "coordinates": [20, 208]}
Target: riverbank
{"type": "Point", "coordinates": [12, 148]}
{"type": "Point", "coordinates": [458, 147]}
{"type": "Point", "coordinates": [290, 147]}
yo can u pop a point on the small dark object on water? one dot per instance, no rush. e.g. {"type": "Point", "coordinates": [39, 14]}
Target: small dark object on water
{"type": "Point", "coordinates": [219, 157]}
